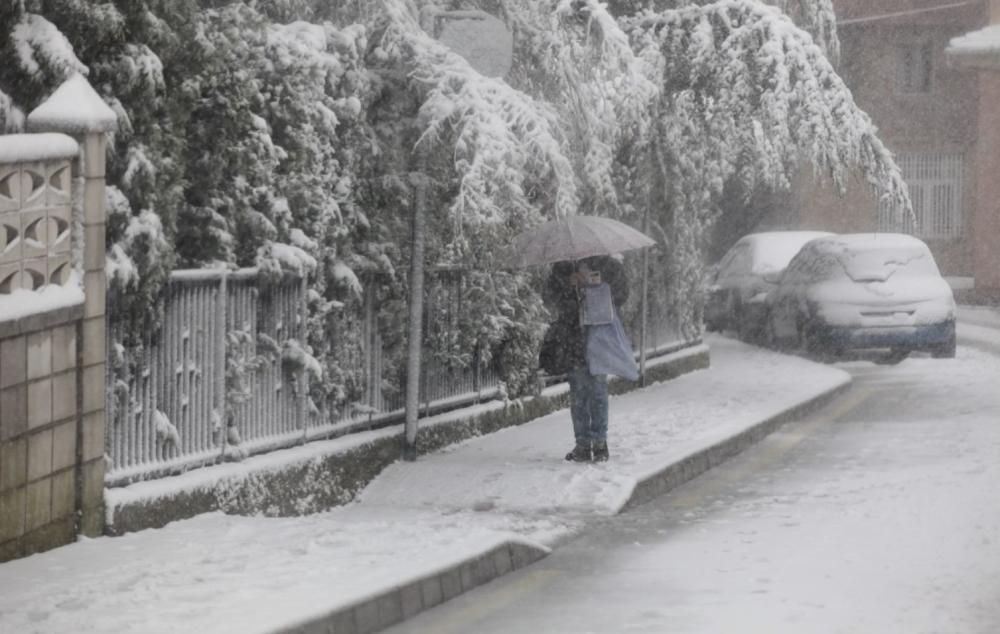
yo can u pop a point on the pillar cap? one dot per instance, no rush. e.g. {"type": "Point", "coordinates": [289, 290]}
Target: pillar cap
{"type": "Point", "coordinates": [74, 108]}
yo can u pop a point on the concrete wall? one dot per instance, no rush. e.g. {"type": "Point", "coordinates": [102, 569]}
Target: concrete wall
{"type": "Point", "coordinates": [39, 434]}
{"type": "Point", "coordinates": [52, 350]}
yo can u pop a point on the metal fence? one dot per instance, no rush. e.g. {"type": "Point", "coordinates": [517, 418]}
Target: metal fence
{"type": "Point", "coordinates": [936, 184]}
{"type": "Point", "coordinates": [220, 380]}
{"type": "Point", "coordinates": [211, 385]}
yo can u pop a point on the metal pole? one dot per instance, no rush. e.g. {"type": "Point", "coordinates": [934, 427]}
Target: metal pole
{"type": "Point", "coordinates": [302, 419]}
{"type": "Point", "coordinates": [644, 309]}
{"type": "Point", "coordinates": [416, 317]}
{"type": "Point", "coordinates": [222, 329]}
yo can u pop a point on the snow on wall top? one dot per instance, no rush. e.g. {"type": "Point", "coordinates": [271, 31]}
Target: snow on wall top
{"type": "Point", "coordinates": [74, 107]}
{"type": "Point", "coordinates": [982, 41]}
{"type": "Point", "coordinates": [23, 302]}
{"type": "Point", "coordinates": [25, 148]}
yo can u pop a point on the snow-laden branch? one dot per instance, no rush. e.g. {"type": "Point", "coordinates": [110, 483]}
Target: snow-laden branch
{"type": "Point", "coordinates": [504, 140]}
{"type": "Point", "coordinates": [817, 18]}
{"type": "Point", "coordinates": [11, 117]}
{"type": "Point", "coordinates": [747, 94]}
{"type": "Point", "coordinates": [575, 55]}
{"type": "Point", "coordinates": [40, 46]}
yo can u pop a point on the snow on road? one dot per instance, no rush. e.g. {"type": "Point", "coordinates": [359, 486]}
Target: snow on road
{"type": "Point", "coordinates": [650, 428]}
{"type": "Point", "coordinates": [887, 521]}
{"type": "Point", "coordinates": [879, 516]}
{"type": "Point", "coordinates": [216, 573]}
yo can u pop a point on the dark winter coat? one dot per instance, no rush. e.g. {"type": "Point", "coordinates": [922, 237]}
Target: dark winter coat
{"type": "Point", "coordinates": [564, 345]}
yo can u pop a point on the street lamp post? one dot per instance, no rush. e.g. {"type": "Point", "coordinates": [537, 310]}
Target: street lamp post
{"type": "Point", "coordinates": [486, 43]}
{"type": "Point", "coordinates": [415, 336]}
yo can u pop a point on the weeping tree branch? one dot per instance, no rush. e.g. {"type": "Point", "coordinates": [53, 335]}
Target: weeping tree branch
{"type": "Point", "coordinates": [747, 94]}
{"type": "Point", "coordinates": [504, 142]}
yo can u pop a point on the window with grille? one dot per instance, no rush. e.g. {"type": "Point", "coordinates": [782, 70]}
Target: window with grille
{"type": "Point", "coordinates": [915, 68]}
{"type": "Point", "coordinates": [935, 184]}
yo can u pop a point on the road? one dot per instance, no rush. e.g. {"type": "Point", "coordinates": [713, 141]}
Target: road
{"type": "Point", "coordinates": [879, 514]}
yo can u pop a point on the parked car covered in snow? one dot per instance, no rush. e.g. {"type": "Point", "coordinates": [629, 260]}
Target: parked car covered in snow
{"type": "Point", "coordinates": [744, 276]}
{"type": "Point", "coordinates": [861, 291]}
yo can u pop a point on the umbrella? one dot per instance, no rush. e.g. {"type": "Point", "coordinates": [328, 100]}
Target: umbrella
{"type": "Point", "coordinates": [574, 238]}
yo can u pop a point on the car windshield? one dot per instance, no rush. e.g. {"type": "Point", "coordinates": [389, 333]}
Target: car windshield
{"type": "Point", "coordinates": [880, 263]}
{"type": "Point", "coordinates": [868, 263]}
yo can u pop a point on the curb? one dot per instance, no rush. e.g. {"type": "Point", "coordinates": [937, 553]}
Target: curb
{"type": "Point", "coordinates": [394, 606]}
{"type": "Point", "coordinates": [690, 467]}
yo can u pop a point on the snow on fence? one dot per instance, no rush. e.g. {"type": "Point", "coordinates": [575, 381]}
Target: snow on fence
{"type": "Point", "coordinates": [211, 385]}
{"type": "Point", "coordinates": [225, 375]}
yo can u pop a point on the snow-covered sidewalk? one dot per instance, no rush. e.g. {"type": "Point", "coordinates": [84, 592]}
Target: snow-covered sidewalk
{"type": "Point", "coordinates": [218, 573]}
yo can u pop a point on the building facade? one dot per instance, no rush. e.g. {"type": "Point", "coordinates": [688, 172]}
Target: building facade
{"type": "Point", "coordinates": [894, 59]}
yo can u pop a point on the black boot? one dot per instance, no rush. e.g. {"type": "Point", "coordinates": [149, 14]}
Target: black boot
{"type": "Point", "coordinates": [580, 453]}
{"type": "Point", "coordinates": [601, 451]}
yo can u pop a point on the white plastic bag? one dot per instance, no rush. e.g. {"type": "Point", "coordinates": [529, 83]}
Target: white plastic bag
{"type": "Point", "coordinates": [596, 307]}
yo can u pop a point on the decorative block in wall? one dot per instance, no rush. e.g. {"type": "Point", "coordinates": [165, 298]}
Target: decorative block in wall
{"type": "Point", "coordinates": [10, 237]}
{"type": "Point", "coordinates": [35, 224]}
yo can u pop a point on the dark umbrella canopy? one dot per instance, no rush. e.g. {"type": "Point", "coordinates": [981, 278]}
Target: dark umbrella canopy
{"type": "Point", "coordinates": [573, 238]}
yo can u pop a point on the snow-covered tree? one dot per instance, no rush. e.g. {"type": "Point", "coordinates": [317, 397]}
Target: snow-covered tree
{"type": "Point", "coordinates": [745, 96]}
{"type": "Point", "coordinates": [291, 134]}
{"type": "Point", "coordinates": [816, 17]}
{"type": "Point", "coordinates": [658, 111]}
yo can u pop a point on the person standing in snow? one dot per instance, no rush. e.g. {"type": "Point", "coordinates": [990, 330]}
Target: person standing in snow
{"type": "Point", "coordinates": [564, 350]}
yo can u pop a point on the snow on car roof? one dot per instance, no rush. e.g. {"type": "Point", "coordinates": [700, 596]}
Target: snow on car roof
{"type": "Point", "coordinates": [773, 250]}
{"type": "Point", "coordinates": [871, 241]}
{"type": "Point", "coordinates": [873, 256]}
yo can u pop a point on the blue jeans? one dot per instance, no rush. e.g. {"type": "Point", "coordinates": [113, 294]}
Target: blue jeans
{"type": "Point", "coordinates": [588, 405]}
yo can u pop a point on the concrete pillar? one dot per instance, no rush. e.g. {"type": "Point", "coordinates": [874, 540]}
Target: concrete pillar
{"type": "Point", "coordinates": [973, 53]}
{"type": "Point", "coordinates": [77, 110]}
{"type": "Point", "coordinates": [987, 221]}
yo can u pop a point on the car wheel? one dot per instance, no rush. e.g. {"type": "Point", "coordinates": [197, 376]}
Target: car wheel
{"type": "Point", "coordinates": [738, 321]}
{"type": "Point", "coordinates": [945, 350]}
{"type": "Point", "coordinates": [893, 357]}
{"type": "Point", "coordinates": [771, 334]}
{"type": "Point", "coordinates": [812, 344]}
{"type": "Point", "coordinates": [746, 329]}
